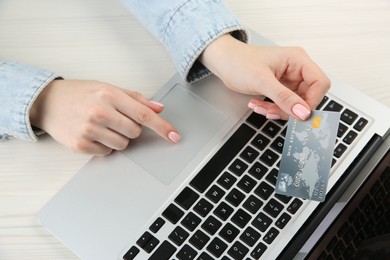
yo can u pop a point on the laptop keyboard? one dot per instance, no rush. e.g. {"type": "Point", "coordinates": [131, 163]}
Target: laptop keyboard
{"type": "Point", "coordinates": [366, 216]}
{"type": "Point", "coordinates": [229, 210]}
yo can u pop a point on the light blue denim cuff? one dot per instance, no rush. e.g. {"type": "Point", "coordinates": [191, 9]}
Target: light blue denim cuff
{"type": "Point", "coordinates": [186, 28]}
{"type": "Point", "coordinates": [20, 85]}
{"type": "Point", "coordinates": [206, 21]}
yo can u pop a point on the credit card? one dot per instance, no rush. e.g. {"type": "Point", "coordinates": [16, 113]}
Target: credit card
{"type": "Point", "coordinates": [307, 156]}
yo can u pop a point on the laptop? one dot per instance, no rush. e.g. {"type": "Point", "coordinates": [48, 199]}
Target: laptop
{"type": "Point", "coordinates": [358, 225]}
{"type": "Point", "coordinates": [211, 196]}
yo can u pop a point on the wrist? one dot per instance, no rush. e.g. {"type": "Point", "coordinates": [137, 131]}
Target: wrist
{"type": "Point", "coordinates": [215, 54]}
{"type": "Point", "coordinates": [38, 108]}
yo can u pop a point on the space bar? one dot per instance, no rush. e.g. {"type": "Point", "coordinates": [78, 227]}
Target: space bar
{"type": "Point", "coordinates": [219, 161]}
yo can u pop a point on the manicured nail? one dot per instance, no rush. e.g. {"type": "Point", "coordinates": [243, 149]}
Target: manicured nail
{"type": "Point", "coordinates": [252, 105]}
{"type": "Point", "coordinates": [174, 137]}
{"type": "Point", "coordinates": [273, 117]}
{"type": "Point", "coordinates": [301, 111]}
{"type": "Point", "coordinates": [157, 103]}
{"type": "Point", "coordinates": [260, 110]}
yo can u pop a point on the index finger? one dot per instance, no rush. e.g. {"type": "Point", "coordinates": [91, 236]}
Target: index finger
{"type": "Point", "coordinates": [133, 107]}
{"type": "Point", "coordinates": [317, 83]}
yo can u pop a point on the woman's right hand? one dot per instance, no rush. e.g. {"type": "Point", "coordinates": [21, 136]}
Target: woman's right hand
{"type": "Point", "coordinates": [95, 117]}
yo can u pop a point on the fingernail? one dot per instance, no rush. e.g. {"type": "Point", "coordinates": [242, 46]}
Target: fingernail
{"type": "Point", "coordinates": [251, 105]}
{"type": "Point", "coordinates": [174, 137]}
{"type": "Point", "coordinates": [260, 110]}
{"type": "Point", "coordinates": [301, 111]}
{"type": "Point", "coordinates": [157, 103]}
{"type": "Point", "coordinates": [273, 117]}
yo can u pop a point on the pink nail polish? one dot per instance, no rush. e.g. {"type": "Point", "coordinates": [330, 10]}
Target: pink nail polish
{"type": "Point", "coordinates": [301, 111]}
{"type": "Point", "coordinates": [174, 137]}
{"type": "Point", "coordinates": [273, 116]}
{"type": "Point", "coordinates": [260, 110]}
{"type": "Point", "coordinates": [157, 103]}
{"type": "Point", "coordinates": [251, 105]}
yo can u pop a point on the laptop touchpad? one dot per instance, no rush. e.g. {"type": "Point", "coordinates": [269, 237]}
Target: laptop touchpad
{"type": "Point", "coordinates": [196, 120]}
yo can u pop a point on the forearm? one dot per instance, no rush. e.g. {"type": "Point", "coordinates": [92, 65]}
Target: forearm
{"type": "Point", "coordinates": [20, 85]}
{"type": "Point", "coordinates": [186, 28]}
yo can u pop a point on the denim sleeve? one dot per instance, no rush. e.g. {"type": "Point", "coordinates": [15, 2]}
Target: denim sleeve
{"type": "Point", "coordinates": [19, 87]}
{"type": "Point", "coordinates": [186, 27]}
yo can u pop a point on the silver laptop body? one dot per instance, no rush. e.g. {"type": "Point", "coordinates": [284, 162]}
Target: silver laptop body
{"type": "Point", "coordinates": [111, 202]}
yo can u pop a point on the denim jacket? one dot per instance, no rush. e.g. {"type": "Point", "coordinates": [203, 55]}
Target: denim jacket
{"type": "Point", "coordinates": [184, 27]}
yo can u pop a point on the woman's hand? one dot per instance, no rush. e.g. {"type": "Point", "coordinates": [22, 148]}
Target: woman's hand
{"type": "Point", "coordinates": [286, 75]}
{"type": "Point", "coordinates": [95, 117]}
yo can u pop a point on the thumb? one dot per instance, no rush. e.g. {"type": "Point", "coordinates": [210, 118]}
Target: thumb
{"type": "Point", "coordinates": [287, 100]}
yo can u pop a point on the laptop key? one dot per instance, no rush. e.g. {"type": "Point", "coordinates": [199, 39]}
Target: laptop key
{"type": "Point", "coordinates": [238, 251]}
{"type": "Point", "coordinates": [282, 220]}
{"type": "Point", "coordinates": [173, 213]}
{"type": "Point", "coordinates": [216, 247]}
{"type": "Point", "coordinates": [205, 256]}
{"type": "Point", "coordinates": [281, 122]}
{"type": "Point", "coordinates": [258, 251]}
{"type": "Point", "coordinates": [271, 129]}
{"type": "Point", "coordinates": [348, 116]}
{"type": "Point", "coordinates": [151, 245]}
{"type": "Point", "coordinates": [264, 190]}
{"type": "Point", "coordinates": [228, 151]}
{"type": "Point", "coordinates": [215, 194]}
{"type": "Point", "coordinates": [262, 222]}
{"type": "Point", "coordinates": [227, 180]}
{"type": "Point", "coordinates": [341, 130]}
{"type": "Point", "coordinates": [229, 232]}
{"type": "Point", "coordinates": [223, 211]}
{"type": "Point", "coordinates": [249, 154]}
{"type": "Point", "coordinates": [322, 103]}
{"type": "Point", "coordinates": [271, 235]}
{"type": "Point", "coordinates": [252, 204]}
{"type": "Point", "coordinates": [333, 106]}
{"type": "Point", "coordinates": [241, 218]}
{"type": "Point", "coordinates": [191, 221]}
{"type": "Point", "coordinates": [250, 236]}
{"type": "Point", "coordinates": [284, 132]}
{"type": "Point", "coordinates": [273, 208]}
{"type": "Point", "coordinates": [269, 157]}
{"type": "Point", "coordinates": [272, 177]}
{"type": "Point", "coordinates": [186, 198]}
{"type": "Point", "coordinates": [258, 170]}
{"type": "Point", "coordinates": [186, 253]}
{"type": "Point", "coordinates": [178, 236]}
{"type": "Point", "coordinates": [144, 239]}
{"type": "Point", "coordinates": [339, 150]}
{"type": "Point", "coordinates": [235, 197]}
{"type": "Point", "coordinates": [199, 239]}
{"type": "Point", "coordinates": [132, 253]}
{"type": "Point", "coordinates": [238, 167]}
{"type": "Point", "coordinates": [294, 206]}
{"type": "Point", "coordinates": [360, 124]}
{"type": "Point", "coordinates": [283, 198]}
{"type": "Point", "coordinates": [211, 225]}
{"type": "Point", "coordinates": [350, 137]}
{"type": "Point", "coordinates": [246, 184]}
{"type": "Point", "coordinates": [164, 251]}
{"type": "Point", "coordinates": [256, 120]}
{"type": "Point", "coordinates": [157, 224]}
{"type": "Point", "coordinates": [277, 145]}
{"type": "Point", "coordinates": [203, 207]}
{"type": "Point", "coordinates": [260, 142]}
